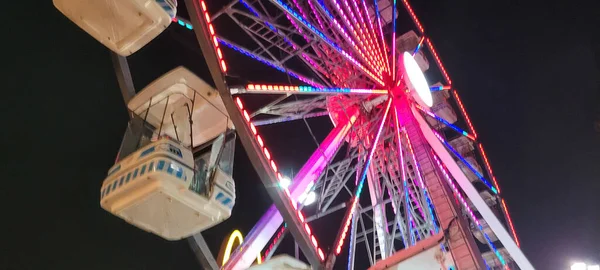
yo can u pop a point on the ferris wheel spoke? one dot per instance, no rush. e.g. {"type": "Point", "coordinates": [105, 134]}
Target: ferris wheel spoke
{"type": "Point", "coordinates": [303, 181]}
{"type": "Point", "coordinates": [357, 38]}
{"type": "Point", "coordinates": [269, 63]}
{"type": "Point", "coordinates": [472, 194]}
{"type": "Point", "coordinates": [446, 123]}
{"type": "Point", "coordinates": [467, 164]}
{"type": "Point", "coordinates": [302, 89]}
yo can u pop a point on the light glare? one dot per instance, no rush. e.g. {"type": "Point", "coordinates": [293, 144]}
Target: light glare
{"type": "Point", "coordinates": [578, 266]}
{"type": "Point", "coordinates": [417, 79]}
{"type": "Point", "coordinates": [285, 182]}
{"type": "Point", "coordinates": [310, 198]}
{"type": "Point", "coordinates": [593, 267]}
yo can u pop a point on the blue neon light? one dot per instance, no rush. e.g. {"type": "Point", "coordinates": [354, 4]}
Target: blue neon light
{"type": "Point", "coordinates": [470, 167]}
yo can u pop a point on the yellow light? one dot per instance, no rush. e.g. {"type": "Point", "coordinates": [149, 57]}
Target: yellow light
{"type": "Point", "coordinates": [235, 235]}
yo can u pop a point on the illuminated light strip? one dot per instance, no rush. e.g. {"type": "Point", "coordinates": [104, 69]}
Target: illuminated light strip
{"type": "Point", "coordinates": [310, 89]}
{"type": "Point", "coordinates": [329, 42]}
{"type": "Point", "coordinates": [440, 88]}
{"type": "Point", "coordinates": [403, 171]}
{"type": "Point", "coordinates": [371, 36]}
{"type": "Point", "coordinates": [419, 46]}
{"type": "Point", "coordinates": [235, 235]}
{"type": "Point", "coordinates": [417, 168]}
{"type": "Point", "coordinates": [487, 165]}
{"type": "Point", "coordinates": [457, 129]}
{"type": "Point", "coordinates": [274, 242]}
{"type": "Point", "coordinates": [356, 196]}
{"type": "Point", "coordinates": [314, 11]}
{"type": "Point", "coordinates": [466, 206]}
{"type": "Point", "coordinates": [393, 41]}
{"type": "Point", "coordinates": [362, 33]}
{"type": "Point", "coordinates": [464, 113]}
{"type": "Point", "coordinates": [510, 223]}
{"type": "Point", "coordinates": [380, 43]}
{"type": "Point", "coordinates": [269, 63]}
{"type": "Point", "coordinates": [340, 28]}
{"type": "Point", "coordinates": [438, 61]}
{"type": "Point", "coordinates": [213, 37]}
{"type": "Point", "coordinates": [509, 219]}
{"type": "Point", "coordinates": [185, 23]}
{"type": "Point", "coordinates": [413, 15]}
{"type": "Point", "coordinates": [362, 46]}
{"type": "Point", "coordinates": [464, 161]}
{"type": "Point", "coordinates": [279, 176]}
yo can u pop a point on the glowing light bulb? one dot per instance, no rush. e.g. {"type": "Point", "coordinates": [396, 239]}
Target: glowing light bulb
{"type": "Point", "coordinates": [285, 182]}
{"type": "Point", "coordinates": [311, 197]}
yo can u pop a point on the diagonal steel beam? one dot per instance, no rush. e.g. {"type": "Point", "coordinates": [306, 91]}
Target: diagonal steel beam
{"type": "Point", "coordinates": [253, 150]}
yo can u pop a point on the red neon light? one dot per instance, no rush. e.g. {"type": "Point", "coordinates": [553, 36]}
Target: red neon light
{"type": "Point", "coordinates": [438, 61]}
{"type": "Point", "coordinates": [300, 216]}
{"type": "Point", "coordinates": [279, 176]}
{"type": "Point", "coordinates": [464, 113]}
{"type": "Point", "coordinates": [413, 16]}
{"type": "Point", "coordinates": [211, 30]}
{"type": "Point", "coordinates": [487, 164]}
{"type": "Point", "coordinates": [510, 224]}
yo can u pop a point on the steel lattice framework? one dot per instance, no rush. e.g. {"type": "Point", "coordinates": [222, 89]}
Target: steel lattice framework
{"type": "Point", "coordinates": [392, 173]}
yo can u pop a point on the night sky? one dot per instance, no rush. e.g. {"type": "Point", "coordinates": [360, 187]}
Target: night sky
{"type": "Point", "coordinates": [528, 73]}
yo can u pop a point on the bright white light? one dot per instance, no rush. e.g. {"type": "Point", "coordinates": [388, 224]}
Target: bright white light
{"type": "Point", "coordinates": [417, 79]}
{"type": "Point", "coordinates": [593, 267]}
{"type": "Point", "coordinates": [285, 182]}
{"type": "Point", "coordinates": [310, 198]}
{"type": "Point", "coordinates": [579, 266]}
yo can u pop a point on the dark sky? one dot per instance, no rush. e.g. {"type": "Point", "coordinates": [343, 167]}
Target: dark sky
{"type": "Point", "coordinates": [528, 71]}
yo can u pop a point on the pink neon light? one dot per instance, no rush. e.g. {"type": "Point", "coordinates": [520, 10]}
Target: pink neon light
{"type": "Point", "coordinates": [239, 103]}
{"type": "Point", "coordinates": [267, 154]}
{"type": "Point", "coordinates": [307, 229]}
{"type": "Point", "coordinates": [253, 128]}
{"type": "Point", "coordinates": [300, 216]}
{"type": "Point", "coordinates": [314, 240]}
{"type": "Point", "coordinates": [321, 255]}
{"type": "Point", "coordinates": [370, 61]}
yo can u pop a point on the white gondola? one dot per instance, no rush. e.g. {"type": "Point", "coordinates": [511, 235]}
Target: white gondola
{"type": "Point", "coordinates": [124, 26]}
{"type": "Point", "coordinates": [160, 184]}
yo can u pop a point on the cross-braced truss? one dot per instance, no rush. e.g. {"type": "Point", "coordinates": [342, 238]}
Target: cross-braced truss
{"type": "Point", "coordinates": [398, 171]}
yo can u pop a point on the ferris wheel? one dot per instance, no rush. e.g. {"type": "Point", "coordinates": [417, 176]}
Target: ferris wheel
{"type": "Point", "coordinates": [400, 182]}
